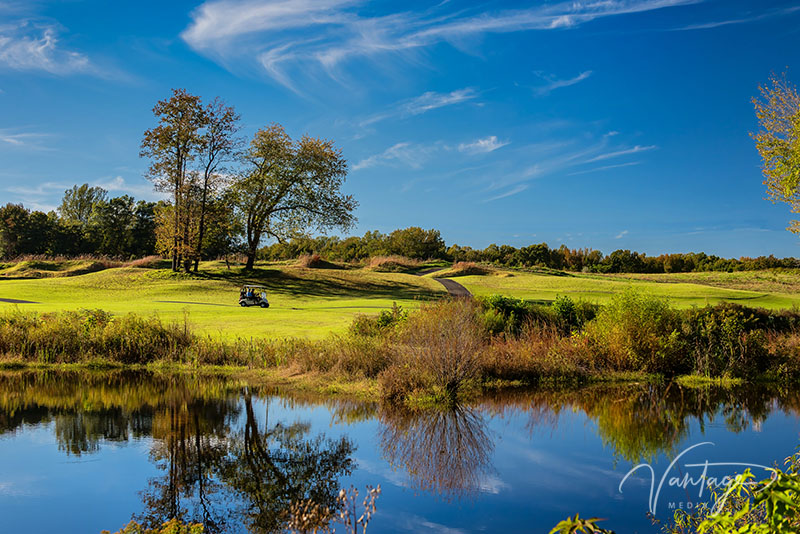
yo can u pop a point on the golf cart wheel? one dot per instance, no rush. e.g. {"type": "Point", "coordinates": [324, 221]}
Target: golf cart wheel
{"type": "Point", "coordinates": [264, 305]}
{"type": "Point", "coordinates": [242, 303]}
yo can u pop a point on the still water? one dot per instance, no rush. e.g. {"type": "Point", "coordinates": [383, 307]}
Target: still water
{"type": "Point", "coordinates": [83, 452]}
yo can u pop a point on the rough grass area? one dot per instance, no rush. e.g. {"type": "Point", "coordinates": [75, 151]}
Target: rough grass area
{"type": "Point", "coordinates": [392, 264]}
{"type": "Point", "coordinates": [766, 289]}
{"type": "Point", "coordinates": [465, 268]}
{"type": "Point", "coordinates": [307, 303]}
{"type": "Point", "coordinates": [36, 268]}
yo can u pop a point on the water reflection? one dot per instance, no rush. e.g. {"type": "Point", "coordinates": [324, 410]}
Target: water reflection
{"type": "Point", "coordinates": [446, 450]}
{"type": "Point", "coordinates": [224, 459]}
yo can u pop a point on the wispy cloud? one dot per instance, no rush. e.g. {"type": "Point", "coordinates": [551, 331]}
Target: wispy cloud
{"type": "Point", "coordinates": [422, 104]}
{"type": "Point", "coordinates": [482, 146]}
{"type": "Point", "coordinates": [275, 34]}
{"type": "Point", "coordinates": [554, 83]}
{"type": "Point", "coordinates": [621, 234]}
{"type": "Point", "coordinates": [407, 154]}
{"type": "Point", "coordinates": [743, 20]}
{"type": "Point", "coordinates": [28, 47]}
{"type": "Point", "coordinates": [609, 155]}
{"type": "Point", "coordinates": [605, 168]}
{"type": "Point", "coordinates": [16, 139]}
{"type": "Point", "coordinates": [511, 192]}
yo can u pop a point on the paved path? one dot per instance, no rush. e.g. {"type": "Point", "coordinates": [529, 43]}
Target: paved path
{"type": "Point", "coordinates": [453, 288]}
{"type": "Point", "coordinates": [17, 301]}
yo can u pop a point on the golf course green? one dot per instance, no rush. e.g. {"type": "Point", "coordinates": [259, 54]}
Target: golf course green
{"type": "Point", "coordinates": [311, 303]}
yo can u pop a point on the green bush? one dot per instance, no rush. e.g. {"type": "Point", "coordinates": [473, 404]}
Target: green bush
{"type": "Point", "coordinates": [725, 340]}
{"type": "Point", "coordinates": [638, 332]}
{"type": "Point", "coordinates": [384, 322]}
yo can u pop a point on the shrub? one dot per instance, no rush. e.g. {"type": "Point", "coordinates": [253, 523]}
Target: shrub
{"type": "Point", "coordinates": [439, 349]}
{"type": "Point", "coordinates": [638, 332]}
{"type": "Point", "coordinates": [501, 314]}
{"type": "Point", "coordinates": [725, 340]}
{"type": "Point", "coordinates": [384, 322]}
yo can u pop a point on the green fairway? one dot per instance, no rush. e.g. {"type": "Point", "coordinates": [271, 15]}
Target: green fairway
{"type": "Point", "coordinates": [684, 290]}
{"type": "Point", "coordinates": [304, 302]}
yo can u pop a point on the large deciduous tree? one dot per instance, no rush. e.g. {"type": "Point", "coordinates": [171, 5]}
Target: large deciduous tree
{"type": "Point", "coordinates": [289, 187]}
{"type": "Point", "coordinates": [778, 142]}
{"type": "Point", "coordinates": [171, 147]}
{"type": "Point", "coordinates": [79, 202]}
{"type": "Point", "coordinates": [218, 144]}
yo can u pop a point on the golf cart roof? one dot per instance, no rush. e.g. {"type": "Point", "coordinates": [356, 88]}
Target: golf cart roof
{"type": "Point", "coordinates": [254, 287]}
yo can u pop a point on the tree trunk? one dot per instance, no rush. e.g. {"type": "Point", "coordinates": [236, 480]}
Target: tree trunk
{"type": "Point", "coordinates": [251, 259]}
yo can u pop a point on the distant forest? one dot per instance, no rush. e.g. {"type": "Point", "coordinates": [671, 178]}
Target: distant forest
{"type": "Point", "coordinates": [89, 222]}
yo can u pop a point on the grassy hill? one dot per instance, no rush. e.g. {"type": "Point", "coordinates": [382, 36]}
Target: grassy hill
{"type": "Point", "coordinates": [768, 289]}
{"type": "Point", "coordinates": [313, 302]}
{"type": "Point", "coordinates": [304, 302]}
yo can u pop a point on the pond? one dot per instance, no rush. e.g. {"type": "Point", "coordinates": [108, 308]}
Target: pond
{"type": "Point", "coordinates": [82, 452]}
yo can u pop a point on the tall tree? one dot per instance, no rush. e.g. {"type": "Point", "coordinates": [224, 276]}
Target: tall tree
{"type": "Point", "coordinates": [778, 142]}
{"type": "Point", "coordinates": [79, 201]}
{"type": "Point", "coordinates": [171, 146]}
{"type": "Point", "coordinates": [291, 186]}
{"type": "Point", "coordinates": [219, 142]}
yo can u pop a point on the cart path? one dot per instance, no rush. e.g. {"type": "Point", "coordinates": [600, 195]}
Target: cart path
{"type": "Point", "coordinates": [453, 288]}
{"type": "Point", "coordinates": [17, 301]}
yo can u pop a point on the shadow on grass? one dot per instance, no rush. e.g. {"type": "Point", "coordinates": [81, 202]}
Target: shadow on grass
{"type": "Point", "coordinates": [329, 286]}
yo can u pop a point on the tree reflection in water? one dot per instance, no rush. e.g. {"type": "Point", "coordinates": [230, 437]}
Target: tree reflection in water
{"type": "Point", "coordinates": [445, 450]}
{"type": "Point", "coordinates": [228, 466]}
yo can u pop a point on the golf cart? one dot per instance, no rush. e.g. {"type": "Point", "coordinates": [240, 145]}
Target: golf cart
{"type": "Point", "coordinates": [253, 296]}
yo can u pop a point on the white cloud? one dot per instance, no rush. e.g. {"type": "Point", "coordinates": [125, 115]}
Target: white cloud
{"type": "Point", "coordinates": [16, 139]}
{"type": "Point", "coordinates": [743, 20]}
{"type": "Point", "coordinates": [482, 146]}
{"type": "Point", "coordinates": [422, 104]}
{"type": "Point", "coordinates": [621, 234]}
{"type": "Point", "coordinates": [608, 155]}
{"type": "Point", "coordinates": [290, 38]}
{"type": "Point", "coordinates": [606, 168]}
{"type": "Point", "coordinates": [511, 192]}
{"type": "Point", "coordinates": [28, 47]}
{"type": "Point", "coordinates": [554, 83]}
{"type": "Point", "coordinates": [404, 153]}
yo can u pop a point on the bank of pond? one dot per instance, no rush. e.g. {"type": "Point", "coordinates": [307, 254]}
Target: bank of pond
{"type": "Point", "coordinates": [447, 349]}
{"type": "Point", "coordinates": [99, 449]}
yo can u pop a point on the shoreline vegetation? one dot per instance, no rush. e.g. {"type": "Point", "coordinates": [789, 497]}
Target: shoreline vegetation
{"type": "Point", "coordinates": [446, 350]}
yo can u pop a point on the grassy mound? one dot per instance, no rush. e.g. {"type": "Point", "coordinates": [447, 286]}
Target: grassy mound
{"type": "Point", "coordinates": [392, 264]}
{"type": "Point", "coordinates": [465, 268]}
{"type": "Point", "coordinates": [37, 268]}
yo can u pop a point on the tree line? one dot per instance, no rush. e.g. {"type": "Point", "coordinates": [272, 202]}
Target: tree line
{"type": "Point", "coordinates": [89, 222]}
{"type": "Point", "coordinates": [417, 243]}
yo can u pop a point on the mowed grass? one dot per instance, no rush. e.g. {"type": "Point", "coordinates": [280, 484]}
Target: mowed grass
{"type": "Point", "coordinates": [306, 303]}
{"type": "Point", "coordinates": [757, 289]}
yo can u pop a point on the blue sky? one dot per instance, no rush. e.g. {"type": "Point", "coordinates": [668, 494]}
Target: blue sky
{"type": "Point", "coordinates": [600, 123]}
